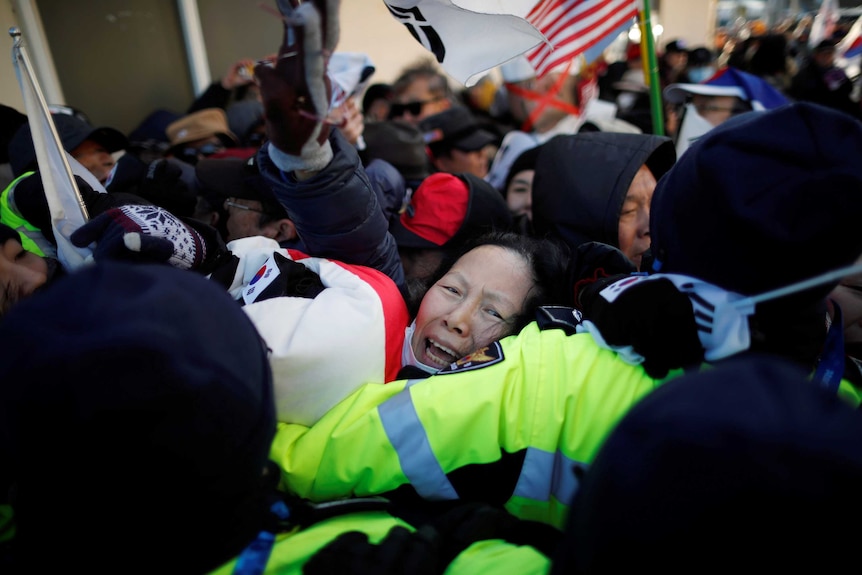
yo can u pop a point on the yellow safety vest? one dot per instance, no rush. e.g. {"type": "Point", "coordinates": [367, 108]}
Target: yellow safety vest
{"type": "Point", "coordinates": [509, 424]}
{"type": "Point", "coordinates": [31, 237]}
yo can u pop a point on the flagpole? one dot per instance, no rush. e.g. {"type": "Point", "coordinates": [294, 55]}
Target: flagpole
{"type": "Point", "coordinates": [21, 60]}
{"type": "Point", "coordinates": [651, 67]}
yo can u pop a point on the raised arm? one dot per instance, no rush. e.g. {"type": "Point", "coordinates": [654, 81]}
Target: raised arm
{"type": "Point", "coordinates": [315, 173]}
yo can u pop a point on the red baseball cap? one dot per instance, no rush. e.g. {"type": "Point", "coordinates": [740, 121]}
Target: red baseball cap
{"type": "Point", "coordinates": [448, 208]}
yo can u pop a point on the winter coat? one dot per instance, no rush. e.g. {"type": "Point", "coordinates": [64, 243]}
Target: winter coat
{"type": "Point", "coordinates": [329, 326]}
{"type": "Point", "coordinates": [337, 213]}
{"type": "Point", "coordinates": [506, 425]}
{"type": "Point", "coordinates": [582, 180]}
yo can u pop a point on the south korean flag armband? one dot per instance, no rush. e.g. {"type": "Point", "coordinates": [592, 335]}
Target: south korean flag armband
{"type": "Point", "coordinates": [279, 277]}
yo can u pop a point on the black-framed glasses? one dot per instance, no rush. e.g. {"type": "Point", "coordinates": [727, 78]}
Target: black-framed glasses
{"type": "Point", "coordinates": [415, 108]}
{"type": "Point", "coordinates": [230, 204]}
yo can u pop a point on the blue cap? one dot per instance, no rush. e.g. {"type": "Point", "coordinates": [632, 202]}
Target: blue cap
{"type": "Point", "coordinates": [72, 131]}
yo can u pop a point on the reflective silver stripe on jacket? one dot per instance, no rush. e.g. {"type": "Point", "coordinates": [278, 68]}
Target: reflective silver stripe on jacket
{"type": "Point", "coordinates": [546, 474]}
{"type": "Point", "coordinates": [408, 437]}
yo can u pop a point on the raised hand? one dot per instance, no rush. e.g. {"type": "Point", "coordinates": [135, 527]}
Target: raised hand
{"type": "Point", "coordinates": [238, 74]}
{"type": "Point", "coordinates": [295, 88]}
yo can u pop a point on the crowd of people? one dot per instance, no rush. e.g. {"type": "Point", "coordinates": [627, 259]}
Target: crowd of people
{"type": "Point", "coordinates": [412, 328]}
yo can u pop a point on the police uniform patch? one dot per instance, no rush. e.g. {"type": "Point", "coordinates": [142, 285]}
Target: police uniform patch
{"type": "Point", "coordinates": [482, 357]}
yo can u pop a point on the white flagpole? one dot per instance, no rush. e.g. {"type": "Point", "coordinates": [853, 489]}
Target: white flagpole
{"type": "Point", "coordinates": [68, 211]}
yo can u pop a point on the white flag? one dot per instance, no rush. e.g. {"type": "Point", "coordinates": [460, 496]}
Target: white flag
{"type": "Point", "coordinates": [851, 45]}
{"type": "Point", "coordinates": [467, 42]}
{"type": "Point", "coordinates": [824, 23]}
{"type": "Point", "coordinates": [55, 166]}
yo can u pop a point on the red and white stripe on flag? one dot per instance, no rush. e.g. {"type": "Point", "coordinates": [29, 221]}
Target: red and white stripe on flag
{"type": "Point", "coordinates": [572, 27]}
{"type": "Point", "coordinates": [851, 45]}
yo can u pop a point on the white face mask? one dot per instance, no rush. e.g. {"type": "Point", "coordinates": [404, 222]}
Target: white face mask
{"type": "Point", "coordinates": [407, 355]}
{"type": "Point", "coordinates": [693, 127]}
{"type": "Point", "coordinates": [625, 101]}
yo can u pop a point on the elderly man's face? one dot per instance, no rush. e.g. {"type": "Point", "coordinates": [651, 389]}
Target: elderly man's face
{"type": "Point", "coordinates": [95, 158]}
{"type": "Point", "coordinates": [716, 109]}
{"type": "Point", "coordinates": [633, 232]}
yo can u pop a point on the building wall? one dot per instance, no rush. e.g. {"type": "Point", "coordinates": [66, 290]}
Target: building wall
{"type": "Point", "coordinates": [117, 60]}
{"type": "Point", "coordinates": [236, 29]}
{"type": "Point", "coordinates": [689, 20]}
{"type": "Point", "coordinates": [131, 62]}
{"type": "Point", "coordinates": [120, 59]}
{"type": "Point", "coordinates": [10, 94]}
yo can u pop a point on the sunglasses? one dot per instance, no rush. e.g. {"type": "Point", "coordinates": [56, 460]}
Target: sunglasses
{"type": "Point", "coordinates": [415, 108]}
{"type": "Point", "coordinates": [191, 155]}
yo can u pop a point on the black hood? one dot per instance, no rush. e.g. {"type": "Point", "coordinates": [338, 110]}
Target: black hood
{"type": "Point", "coordinates": [582, 180]}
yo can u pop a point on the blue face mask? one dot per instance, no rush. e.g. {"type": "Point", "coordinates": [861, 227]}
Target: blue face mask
{"type": "Point", "coordinates": [699, 74]}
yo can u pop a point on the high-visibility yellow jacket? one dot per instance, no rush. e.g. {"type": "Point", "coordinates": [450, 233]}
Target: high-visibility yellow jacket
{"type": "Point", "coordinates": [32, 239]}
{"type": "Point", "coordinates": [508, 424]}
{"type": "Point", "coordinates": [293, 550]}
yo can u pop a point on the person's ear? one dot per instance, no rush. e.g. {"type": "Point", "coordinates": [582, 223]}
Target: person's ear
{"type": "Point", "coordinates": [212, 218]}
{"type": "Point", "coordinates": [443, 162]}
{"type": "Point", "coordinates": [285, 230]}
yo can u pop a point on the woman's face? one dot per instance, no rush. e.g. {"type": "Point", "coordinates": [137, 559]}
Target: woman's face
{"type": "Point", "coordinates": [474, 304]}
{"type": "Point", "coordinates": [519, 194]}
{"type": "Point", "coordinates": [21, 273]}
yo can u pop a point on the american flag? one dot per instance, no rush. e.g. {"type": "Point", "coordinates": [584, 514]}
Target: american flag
{"type": "Point", "coordinates": [574, 27]}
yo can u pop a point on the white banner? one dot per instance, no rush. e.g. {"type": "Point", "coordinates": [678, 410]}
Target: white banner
{"type": "Point", "coordinates": [465, 42]}
{"type": "Point", "coordinates": [55, 166]}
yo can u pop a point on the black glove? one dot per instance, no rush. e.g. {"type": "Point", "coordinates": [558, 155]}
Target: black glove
{"type": "Point", "coordinates": [652, 316]}
{"type": "Point", "coordinates": [471, 522]}
{"type": "Point", "coordinates": [400, 552]}
{"type": "Point", "coordinates": [142, 233]}
{"type": "Point", "coordinates": [164, 186]}
{"type": "Point", "coordinates": [593, 261]}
